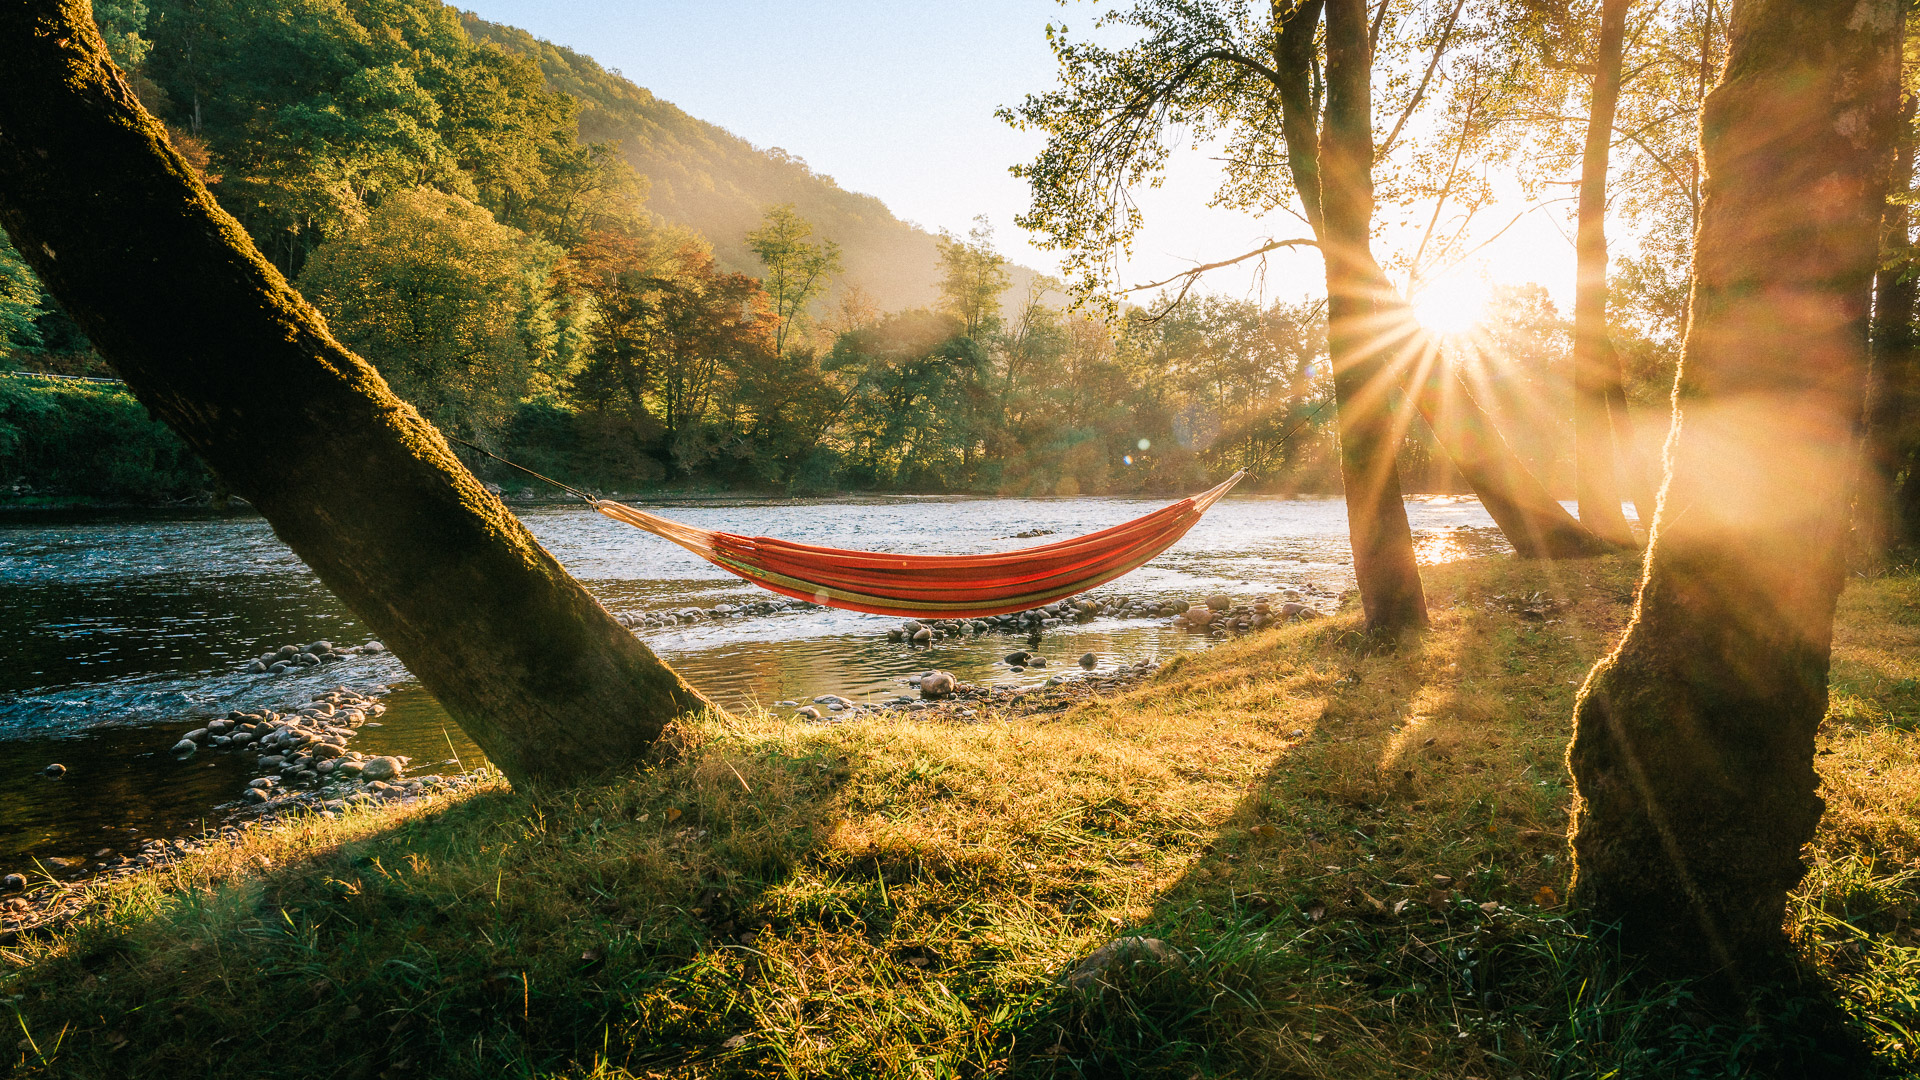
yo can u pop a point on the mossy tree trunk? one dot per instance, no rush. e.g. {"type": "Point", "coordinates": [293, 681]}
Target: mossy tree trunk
{"type": "Point", "coordinates": [1363, 371]}
{"type": "Point", "coordinates": [1596, 370]}
{"type": "Point", "coordinates": [210, 337]}
{"type": "Point", "coordinates": [1693, 749]}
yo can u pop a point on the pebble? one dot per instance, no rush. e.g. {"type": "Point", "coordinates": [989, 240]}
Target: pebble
{"type": "Point", "coordinates": [1089, 661]}
{"type": "Point", "coordinates": [55, 770]}
{"type": "Point", "coordinates": [13, 883]}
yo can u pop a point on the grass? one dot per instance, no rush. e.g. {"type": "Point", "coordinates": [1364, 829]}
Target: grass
{"type": "Point", "coordinates": [1361, 856]}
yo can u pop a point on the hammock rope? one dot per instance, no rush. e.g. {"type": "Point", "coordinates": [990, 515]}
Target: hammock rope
{"type": "Point", "coordinates": [932, 586]}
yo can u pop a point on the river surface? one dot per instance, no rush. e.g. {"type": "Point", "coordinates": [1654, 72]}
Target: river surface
{"type": "Point", "coordinates": [119, 632]}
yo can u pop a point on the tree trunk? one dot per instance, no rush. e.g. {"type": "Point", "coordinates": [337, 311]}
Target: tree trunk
{"type": "Point", "coordinates": [1383, 562]}
{"type": "Point", "coordinates": [214, 342]}
{"type": "Point", "coordinates": [1693, 748]}
{"type": "Point", "coordinates": [1535, 524]}
{"type": "Point", "coordinates": [1626, 443]}
{"type": "Point", "coordinates": [1595, 367]}
{"type": "Point", "coordinates": [1890, 439]}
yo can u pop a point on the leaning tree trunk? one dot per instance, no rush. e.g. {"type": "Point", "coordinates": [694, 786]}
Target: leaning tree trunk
{"type": "Point", "coordinates": [1383, 562]}
{"type": "Point", "coordinates": [1595, 368]}
{"type": "Point", "coordinates": [214, 342]}
{"type": "Point", "coordinates": [1535, 523]}
{"type": "Point", "coordinates": [1693, 748]}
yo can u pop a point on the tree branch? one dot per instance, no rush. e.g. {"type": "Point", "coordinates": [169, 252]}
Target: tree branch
{"type": "Point", "coordinates": [1439, 50]}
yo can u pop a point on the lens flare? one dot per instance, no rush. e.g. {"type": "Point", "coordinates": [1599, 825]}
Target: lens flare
{"type": "Point", "coordinates": [1451, 305]}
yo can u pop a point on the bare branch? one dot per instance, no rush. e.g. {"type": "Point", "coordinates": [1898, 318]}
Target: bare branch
{"type": "Point", "coordinates": [1189, 275]}
{"type": "Point", "coordinates": [1439, 50]}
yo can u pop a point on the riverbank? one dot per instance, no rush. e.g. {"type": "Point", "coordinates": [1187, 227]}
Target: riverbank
{"type": "Point", "coordinates": [1351, 865]}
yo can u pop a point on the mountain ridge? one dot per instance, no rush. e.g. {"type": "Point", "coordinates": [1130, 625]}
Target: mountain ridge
{"type": "Point", "coordinates": [706, 178]}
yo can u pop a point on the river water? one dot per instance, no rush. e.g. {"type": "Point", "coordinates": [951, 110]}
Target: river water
{"type": "Point", "coordinates": [119, 632]}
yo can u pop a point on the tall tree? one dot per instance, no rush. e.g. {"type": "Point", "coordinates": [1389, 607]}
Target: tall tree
{"type": "Point", "coordinates": [211, 339]}
{"type": "Point", "coordinates": [798, 269]}
{"type": "Point", "coordinates": [1694, 742]}
{"type": "Point", "coordinates": [973, 275]}
{"type": "Point", "coordinates": [1596, 368]}
{"type": "Point", "coordinates": [1363, 374]}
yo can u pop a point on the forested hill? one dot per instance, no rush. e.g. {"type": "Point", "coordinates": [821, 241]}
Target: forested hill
{"type": "Point", "coordinates": [711, 180]}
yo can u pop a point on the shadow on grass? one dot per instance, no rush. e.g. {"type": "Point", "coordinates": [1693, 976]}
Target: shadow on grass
{"type": "Point", "coordinates": [1386, 901]}
{"type": "Point", "coordinates": [510, 931]}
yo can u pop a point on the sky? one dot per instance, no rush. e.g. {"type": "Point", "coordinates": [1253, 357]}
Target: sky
{"type": "Point", "coordinates": [896, 100]}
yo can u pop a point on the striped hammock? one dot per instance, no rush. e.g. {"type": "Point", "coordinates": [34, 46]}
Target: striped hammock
{"type": "Point", "coordinates": [934, 586]}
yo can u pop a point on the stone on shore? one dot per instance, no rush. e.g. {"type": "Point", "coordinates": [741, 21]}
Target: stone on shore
{"type": "Point", "coordinates": [56, 770]}
{"type": "Point", "coordinates": [937, 685]}
{"type": "Point", "coordinates": [380, 768]}
{"type": "Point", "coordinates": [1089, 661]}
{"type": "Point", "coordinates": [185, 746]}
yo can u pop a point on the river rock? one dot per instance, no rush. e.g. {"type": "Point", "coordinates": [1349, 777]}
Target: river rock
{"type": "Point", "coordinates": [1036, 661]}
{"type": "Point", "coordinates": [380, 768]}
{"type": "Point", "coordinates": [808, 713]}
{"type": "Point", "coordinates": [1018, 659]}
{"type": "Point", "coordinates": [923, 636]}
{"type": "Point", "coordinates": [55, 771]}
{"type": "Point", "coordinates": [1089, 661]}
{"type": "Point", "coordinates": [13, 883]}
{"type": "Point", "coordinates": [373, 647]}
{"type": "Point", "coordinates": [937, 685]}
{"type": "Point", "coordinates": [1219, 601]}
{"type": "Point", "coordinates": [185, 746]}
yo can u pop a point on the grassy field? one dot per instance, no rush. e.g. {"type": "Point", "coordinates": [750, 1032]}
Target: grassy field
{"type": "Point", "coordinates": [1360, 858]}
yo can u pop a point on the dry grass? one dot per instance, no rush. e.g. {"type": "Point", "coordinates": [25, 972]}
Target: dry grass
{"type": "Point", "coordinates": [897, 897]}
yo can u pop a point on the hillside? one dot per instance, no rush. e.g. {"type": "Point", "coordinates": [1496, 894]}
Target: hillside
{"type": "Point", "coordinates": [714, 181]}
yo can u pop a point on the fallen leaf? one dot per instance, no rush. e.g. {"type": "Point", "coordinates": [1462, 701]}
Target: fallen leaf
{"type": "Point", "coordinates": [673, 815]}
{"type": "Point", "coordinates": [1546, 897]}
{"type": "Point", "coordinates": [1400, 906]}
{"type": "Point", "coordinates": [1264, 832]}
{"type": "Point", "coordinates": [1317, 912]}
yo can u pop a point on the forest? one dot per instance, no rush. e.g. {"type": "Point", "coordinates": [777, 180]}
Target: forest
{"type": "Point", "coordinates": [435, 177]}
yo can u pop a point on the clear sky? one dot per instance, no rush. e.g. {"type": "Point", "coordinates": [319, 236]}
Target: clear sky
{"type": "Point", "coordinates": [896, 100]}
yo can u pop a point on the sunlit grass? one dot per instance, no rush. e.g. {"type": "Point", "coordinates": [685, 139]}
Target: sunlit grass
{"type": "Point", "coordinates": [1361, 855]}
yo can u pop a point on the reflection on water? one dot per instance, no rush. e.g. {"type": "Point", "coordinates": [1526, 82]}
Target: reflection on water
{"type": "Point", "coordinates": [119, 631]}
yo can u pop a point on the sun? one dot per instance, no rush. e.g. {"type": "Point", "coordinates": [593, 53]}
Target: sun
{"type": "Point", "coordinates": [1451, 305]}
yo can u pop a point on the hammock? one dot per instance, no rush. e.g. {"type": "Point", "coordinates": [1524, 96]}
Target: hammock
{"type": "Point", "coordinates": [934, 586]}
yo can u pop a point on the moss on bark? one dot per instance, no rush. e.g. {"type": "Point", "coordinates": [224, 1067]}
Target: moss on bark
{"type": "Point", "coordinates": [215, 343]}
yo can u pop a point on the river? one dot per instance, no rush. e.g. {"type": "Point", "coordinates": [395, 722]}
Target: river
{"type": "Point", "coordinates": [121, 631]}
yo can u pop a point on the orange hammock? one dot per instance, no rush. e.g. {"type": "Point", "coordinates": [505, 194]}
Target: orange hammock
{"type": "Point", "coordinates": [934, 586]}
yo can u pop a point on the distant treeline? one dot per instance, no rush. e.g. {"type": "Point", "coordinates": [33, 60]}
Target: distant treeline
{"type": "Point", "coordinates": [430, 194]}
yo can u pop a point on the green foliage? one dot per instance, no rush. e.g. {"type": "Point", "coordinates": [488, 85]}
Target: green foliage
{"type": "Point", "coordinates": [91, 440]}
{"type": "Point", "coordinates": [313, 112]}
{"type": "Point", "coordinates": [455, 309]}
{"type": "Point", "coordinates": [798, 270]}
{"type": "Point", "coordinates": [974, 276]}
{"type": "Point", "coordinates": [19, 302]}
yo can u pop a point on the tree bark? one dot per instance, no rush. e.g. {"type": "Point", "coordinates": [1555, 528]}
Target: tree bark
{"type": "Point", "coordinates": [214, 342]}
{"type": "Point", "coordinates": [1363, 376]}
{"type": "Point", "coordinates": [1595, 367]}
{"type": "Point", "coordinates": [1890, 441]}
{"type": "Point", "coordinates": [1534, 522]}
{"type": "Point", "coordinates": [1693, 748]}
